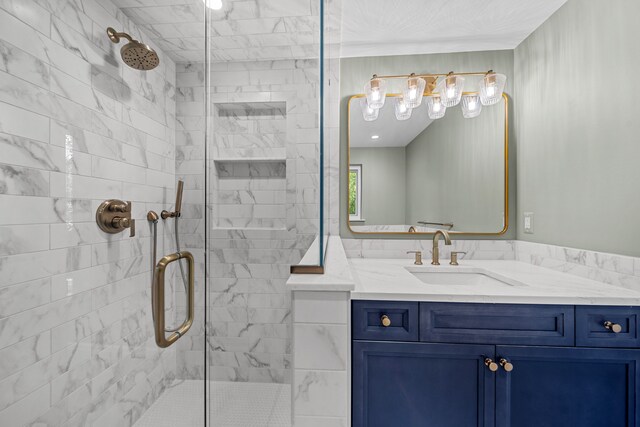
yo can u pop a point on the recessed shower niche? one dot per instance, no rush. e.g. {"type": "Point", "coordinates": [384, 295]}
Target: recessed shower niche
{"type": "Point", "coordinates": [250, 171]}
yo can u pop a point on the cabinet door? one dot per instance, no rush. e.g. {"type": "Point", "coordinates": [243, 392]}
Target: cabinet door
{"type": "Point", "coordinates": [583, 387]}
{"type": "Point", "coordinates": [422, 385]}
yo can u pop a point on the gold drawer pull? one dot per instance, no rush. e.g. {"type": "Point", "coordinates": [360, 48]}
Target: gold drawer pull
{"type": "Point", "coordinates": [386, 322]}
{"type": "Point", "coordinates": [506, 365]}
{"type": "Point", "coordinates": [613, 327]}
{"type": "Point", "coordinates": [493, 366]}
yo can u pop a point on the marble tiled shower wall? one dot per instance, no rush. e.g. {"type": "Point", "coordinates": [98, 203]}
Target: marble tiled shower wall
{"type": "Point", "coordinates": [78, 127]}
{"type": "Point", "coordinates": [263, 207]}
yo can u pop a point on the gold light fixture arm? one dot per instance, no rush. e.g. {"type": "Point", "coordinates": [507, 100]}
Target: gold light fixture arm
{"type": "Point", "coordinates": [157, 295]}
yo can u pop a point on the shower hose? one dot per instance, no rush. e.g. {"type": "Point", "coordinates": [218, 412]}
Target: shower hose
{"type": "Point", "coordinates": [184, 278]}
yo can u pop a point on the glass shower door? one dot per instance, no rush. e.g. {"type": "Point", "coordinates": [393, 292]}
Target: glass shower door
{"type": "Point", "coordinates": [263, 200]}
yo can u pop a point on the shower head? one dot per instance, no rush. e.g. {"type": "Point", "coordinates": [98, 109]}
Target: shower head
{"type": "Point", "coordinates": [135, 54]}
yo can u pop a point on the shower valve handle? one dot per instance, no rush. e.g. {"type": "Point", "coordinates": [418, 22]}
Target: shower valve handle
{"type": "Point", "coordinates": [114, 216]}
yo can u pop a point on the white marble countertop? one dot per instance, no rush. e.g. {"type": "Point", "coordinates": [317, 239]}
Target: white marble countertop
{"type": "Point", "coordinates": [337, 274]}
{"type": "Point", "coordinates": [391, 279]}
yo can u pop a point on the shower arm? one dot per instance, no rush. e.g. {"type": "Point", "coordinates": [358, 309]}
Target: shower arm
{"type": "Point", "coordinates": [114, 36]}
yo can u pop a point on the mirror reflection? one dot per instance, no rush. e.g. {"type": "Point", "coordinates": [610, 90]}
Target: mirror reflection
{"type": "Point", "coordinates": [430, 170]}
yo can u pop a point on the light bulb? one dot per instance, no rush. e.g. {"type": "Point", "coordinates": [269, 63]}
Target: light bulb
{"type": "Point", "coordinates": [376, 91]}
{"type": "Point", "coordinates": [402, 111]}
{"type": "Point", "coordinates": [213, 4]}
{"type": "Point", "coordinates": [471, 106]}
{"type": "Point", "coordinates": [413, 91]}
{"type": "Point", "coordinates": [492, 88]}
{"type": "Point", "coordinates": [368, 114]}
{"type": "Point", "coordinates": [435, 107]}
{"type": "Point", "coordinates": [450, 89]}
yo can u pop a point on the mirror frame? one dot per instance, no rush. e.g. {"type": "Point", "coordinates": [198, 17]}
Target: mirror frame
{"type": "Point", "coordinates": [505, 98]}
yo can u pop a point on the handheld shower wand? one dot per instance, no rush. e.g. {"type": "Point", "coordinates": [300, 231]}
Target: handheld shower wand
{"type": "Point", "coordinates": [178, 208]}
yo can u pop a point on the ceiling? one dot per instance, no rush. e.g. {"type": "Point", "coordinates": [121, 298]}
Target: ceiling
{"type": "Point", "coordinates": [287, 29]}
{"type": "Point", "coordinates": [408, 27]}
{"type": "Point", "coordinates": [241, 30]}
{"type": "Point", "coordinates": [391, 132]}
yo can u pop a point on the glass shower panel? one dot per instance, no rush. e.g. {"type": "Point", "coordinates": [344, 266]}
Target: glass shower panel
{"type": "Point", "coordinates": [263, 198]}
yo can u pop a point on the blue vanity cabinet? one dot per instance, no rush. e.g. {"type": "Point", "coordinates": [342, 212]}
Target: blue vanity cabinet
{"type": "Point", "coordinates": [422, 384]}
{"type": "Point", "coordinates": [423, 364]}
{"type": "Point", "coordinates": [585, 387]}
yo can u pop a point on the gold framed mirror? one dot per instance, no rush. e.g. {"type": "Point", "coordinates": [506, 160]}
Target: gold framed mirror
{"type": "Point", "coordinates": [418, 175]}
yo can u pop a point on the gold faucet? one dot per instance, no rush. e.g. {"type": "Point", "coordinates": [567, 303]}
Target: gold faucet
{"type": "Point", "coordinates": [435, 254]}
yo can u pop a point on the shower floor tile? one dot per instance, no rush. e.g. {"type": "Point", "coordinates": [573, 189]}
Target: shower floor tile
{"type": "Point", "coordinates": [232, 404]}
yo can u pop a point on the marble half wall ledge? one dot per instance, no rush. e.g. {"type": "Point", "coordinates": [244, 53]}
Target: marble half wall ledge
{"type": "Point", "coordinates": [337, 275]}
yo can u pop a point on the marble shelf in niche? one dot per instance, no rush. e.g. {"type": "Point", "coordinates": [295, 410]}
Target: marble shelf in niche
{"type": "Point", "coordinates": [249, 153]}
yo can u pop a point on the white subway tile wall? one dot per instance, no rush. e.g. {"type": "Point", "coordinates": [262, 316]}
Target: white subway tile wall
{"type": "Point", "coordinates": [263, 208]}
{"type": "Point", "coordinates": [77, 127]}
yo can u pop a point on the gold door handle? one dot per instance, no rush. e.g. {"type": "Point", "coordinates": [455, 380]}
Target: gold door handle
{"type": "Point", "coordinates": [506, 365]}
{"type": "Point", "coordinates": [613, 327]}
{"type": "Point", "coordinates": [157, 297]}
{"type": "Point", "coordinates": [386, 322]}
{"type": "Point", "coordinates": [489, 363]}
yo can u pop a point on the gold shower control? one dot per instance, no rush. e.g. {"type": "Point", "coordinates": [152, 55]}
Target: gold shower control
{"type": "Point", "coordinates": [114, 216]}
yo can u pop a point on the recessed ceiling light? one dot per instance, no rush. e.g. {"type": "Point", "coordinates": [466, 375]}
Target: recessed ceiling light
{"type": "Point", "coordinates": [213, 4]}
{"type": "Point", "coordinates": [375, 136]}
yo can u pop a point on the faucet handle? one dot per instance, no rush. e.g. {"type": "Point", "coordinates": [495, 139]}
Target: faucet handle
{"type": "Point", "coordinates": [454, 257]}
{"type": "Point", "coordinates": [418, 260]}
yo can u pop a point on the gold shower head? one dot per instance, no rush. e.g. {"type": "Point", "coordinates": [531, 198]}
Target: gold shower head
{"type": "Point", "coordinates": [135, 54]}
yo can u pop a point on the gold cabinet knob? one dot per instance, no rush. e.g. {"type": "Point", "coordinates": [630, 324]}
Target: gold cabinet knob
{"type": "Point", "coordinates": [386, 322]}
{"type": "Point", "coordinates": [493, 366]}
{"type": "Point", "coordinates": [506, 365]}
{"type": "Point", "coordinates": [613, 327]}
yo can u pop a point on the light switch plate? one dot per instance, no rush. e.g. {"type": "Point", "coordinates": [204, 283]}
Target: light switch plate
{"type": "Point", "coordinates": [528, 222]}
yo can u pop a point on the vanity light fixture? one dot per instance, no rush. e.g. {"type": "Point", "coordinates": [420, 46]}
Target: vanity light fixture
{"type": "Point", "coordinates": [402, 111]}
{"type": "Point", "coordinates": [413, 91]}
{"type": "Point", "coordinates": [376, 91]}
{"type": "Point", "coordinates": [369, 114]}
{"type": "Point", "coordinates": [442, 91]}
{"type": "Point", "coordinates": [436, 108]}
{"type": "Point", "coordinates": [471, 105]}
{"type": "Point", "coordinates": [374, 137]}
{"type": "Point", "coordinates": [492, 87]}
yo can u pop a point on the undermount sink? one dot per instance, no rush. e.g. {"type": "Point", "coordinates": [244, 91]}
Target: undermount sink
{"type": "Point", "coordinates": [458, 279]}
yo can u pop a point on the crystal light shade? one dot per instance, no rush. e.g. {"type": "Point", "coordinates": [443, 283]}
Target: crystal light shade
{"type": "Point", "coordinates": [491, 88]}
{"type": "Point", "coordinates": [471, 106]}
{"type": "Point", "coordinates": [450, 89]}
{"type": "Point", "coordinates": [376, 90]}
{"type": "Point", "coordinates": [369, 114]}
{"type": "Point", "coordinates": [435, 107]}
{"type": "Point", "coordinates": [413, 91]}
{"type": "Point", "coordinates": [402, 111]}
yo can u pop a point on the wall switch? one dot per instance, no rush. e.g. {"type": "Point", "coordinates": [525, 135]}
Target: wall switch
{"type": "Point", "coordinates": [528, 222]}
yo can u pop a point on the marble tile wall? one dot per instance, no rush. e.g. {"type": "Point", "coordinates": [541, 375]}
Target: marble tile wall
{"type": "Point", "coordinates": [618, 270]}
{"type": "Point", "coordinates": [78, 127]}
{"type": "Point", "coordinates": [321, 384]}
{"type": "Point", "coordinates": [475, 249]}
{"type": "Point", "coordinates": [263, 210]}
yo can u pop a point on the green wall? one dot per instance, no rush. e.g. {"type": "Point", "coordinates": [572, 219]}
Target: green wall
{"type": "Point", "coordinates": [578, 127]}
{"type": "Point", "coordinates": [455, 171]}
{"type": "Point", "coordinates": [355, 72]}
{"type": "Point", "coordinates": [383, 184]}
